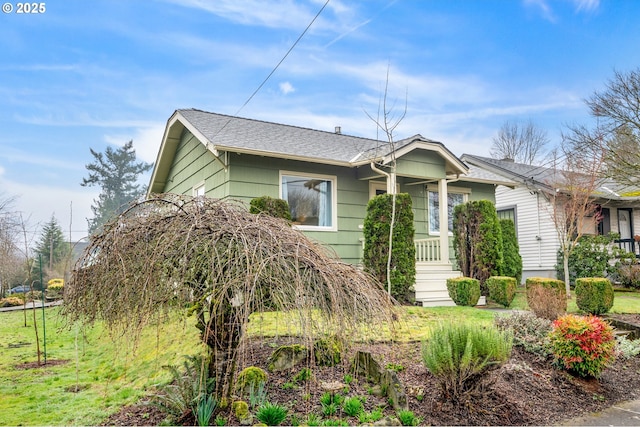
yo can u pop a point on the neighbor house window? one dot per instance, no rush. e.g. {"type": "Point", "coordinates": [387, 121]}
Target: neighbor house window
{"type": "Point", "coordinates": [311, 198]}
{"type": "Point", "coordinates": [453, 200]}
{"type": "Point", "coordinates": [507, 213]}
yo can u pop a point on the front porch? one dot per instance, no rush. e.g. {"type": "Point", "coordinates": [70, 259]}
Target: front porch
{"type": "Point", "coordinates": [432, 272]}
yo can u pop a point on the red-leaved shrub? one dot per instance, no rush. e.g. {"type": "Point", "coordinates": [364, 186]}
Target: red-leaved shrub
{"type": "Point", "coordinates": [582, 345]}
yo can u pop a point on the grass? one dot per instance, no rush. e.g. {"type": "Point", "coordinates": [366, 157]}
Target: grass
{"type": "Point", "coordinates": [108, 374]}
{"type": "Point", "coordinates": [111, 374]}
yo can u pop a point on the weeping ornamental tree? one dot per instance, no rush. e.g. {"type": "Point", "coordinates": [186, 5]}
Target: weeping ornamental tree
{"type": "Point", "coordinates": [376, 230]}
{"type": "Point", "coordinates": [225, 264]}
{"type": "Point", "coordinates": [478, 241]}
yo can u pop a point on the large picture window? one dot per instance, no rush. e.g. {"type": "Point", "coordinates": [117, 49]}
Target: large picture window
{"type": "Point", "coordinates": [453, 200]}
{"type": "Point", "coordinates": [311, 198]}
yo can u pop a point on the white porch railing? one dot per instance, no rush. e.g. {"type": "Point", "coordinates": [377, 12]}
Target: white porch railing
{"type": "Point", "coordinates": [428, 250]}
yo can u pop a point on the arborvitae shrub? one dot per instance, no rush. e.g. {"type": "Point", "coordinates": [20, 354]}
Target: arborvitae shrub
{"type": "Point", "coordinates": [460, 354]}
{"type": "Point", "coordinates": [510, 251]}
{"type": "Point", "coordinates": [547, 298]}
{"type": "Point", "coordinates": [502, 289]}
{"type": "Point", "coordinates": [582, 345]}
{"type": "Point", "coordinates": [594, 295]}
{"type": "Point", "coordinates": [275, 207]}
{"type": "Point", "coordinates": [478, 241]}
{"type": "Point", "coordinates": [464, 290]}
{"type": "Point", "coordinates": [376, 247]}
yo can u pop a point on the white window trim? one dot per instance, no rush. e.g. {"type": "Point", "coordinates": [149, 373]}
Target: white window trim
{"type": "Point", "coordinates": [450, 190]}
{"type": "Point", "coordinates": [195, 189]}
{"type": "Point", "coordinates": [379, 185]}
{"type": "Point", "coordinates": [334, 199]}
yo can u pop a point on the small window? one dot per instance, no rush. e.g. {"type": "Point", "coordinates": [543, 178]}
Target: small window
{"type": "Point", "coordinates": [198, 190]}
{"type": "Point", "coordinates": [312, 200]}
{"type": "Point", "coordinates": [507, 213]}
{"type": "Point", "coordinates": [453, 200]}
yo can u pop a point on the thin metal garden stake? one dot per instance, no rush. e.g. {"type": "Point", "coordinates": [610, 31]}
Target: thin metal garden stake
{"type": "Point", "coordinates": [44, 325]}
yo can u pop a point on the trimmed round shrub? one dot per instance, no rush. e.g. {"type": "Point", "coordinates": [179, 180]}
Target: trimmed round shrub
{"type": "Point", "coordinates": [502, 289]}
{"type": "Point", "coordinates": [582, 345]}
{"type": "Point", "coordinates": [547, 298]}
{"type": "Point", "coordinates": [274, 207]}
{"type": "Point", "coordinates": [594, 295]}
{"type": "Point", "coordinates": [464, 290]}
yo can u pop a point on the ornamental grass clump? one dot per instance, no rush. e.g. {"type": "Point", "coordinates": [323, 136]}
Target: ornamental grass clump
{"type": "Point", "coordinates": [594, 295]}
{"type": "Point", "coordinates": [460, 354]}
{"type": "Point", "coordinates": [582, 345]}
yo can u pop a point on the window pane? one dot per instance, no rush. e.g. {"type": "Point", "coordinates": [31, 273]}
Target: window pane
{"type": "Point", "coordinates": [453, 199]}
{"type": "Point", "coordinates": [309, 200]}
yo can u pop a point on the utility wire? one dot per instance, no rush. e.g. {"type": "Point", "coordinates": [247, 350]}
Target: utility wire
{"type": "Point", "coordinates": [283, 58]}
{"type": "Point", "coordinates": [274, 68]}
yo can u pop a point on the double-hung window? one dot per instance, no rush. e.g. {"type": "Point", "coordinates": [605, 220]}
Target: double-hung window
{"type": "Point", "coordinates": [312, 200]}
{"type": "Point", "coordinates": [453, 199]}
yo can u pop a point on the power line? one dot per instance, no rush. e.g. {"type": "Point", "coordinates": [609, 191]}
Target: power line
{"type": "Point", "coordinates": [274, 68]}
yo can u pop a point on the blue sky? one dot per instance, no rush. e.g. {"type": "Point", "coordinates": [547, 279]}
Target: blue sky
{"type": "Point", "coordinates": [90, 74]}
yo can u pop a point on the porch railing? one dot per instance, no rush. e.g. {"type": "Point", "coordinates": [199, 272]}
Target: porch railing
{"type": "Point", "coordinates": [629, 245]}
{"type": "Point", "coordinates": [428, 250]}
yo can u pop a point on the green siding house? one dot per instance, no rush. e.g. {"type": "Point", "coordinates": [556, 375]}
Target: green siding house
{"type": "Point", "coordinates": [327, 179]}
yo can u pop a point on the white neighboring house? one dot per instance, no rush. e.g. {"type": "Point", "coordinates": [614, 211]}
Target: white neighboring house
{"type": "Point", "coordinates": [528, 205]}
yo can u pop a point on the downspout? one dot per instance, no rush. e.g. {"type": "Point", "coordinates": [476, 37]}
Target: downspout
{"type": "Point", "coordinates": [539, 237]}
{"type": "Point", "coordinates": [391, 178]}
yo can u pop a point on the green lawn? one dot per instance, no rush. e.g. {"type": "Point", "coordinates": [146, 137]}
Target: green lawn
{"type": "Point", "coordinates": [112, 374]}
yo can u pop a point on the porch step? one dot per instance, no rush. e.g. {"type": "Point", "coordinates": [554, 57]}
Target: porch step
{"type": "Point", "coordinates": [431, 284]}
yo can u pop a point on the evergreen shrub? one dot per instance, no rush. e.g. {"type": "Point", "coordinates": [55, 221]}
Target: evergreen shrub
{"type": "Point", "coordinates": [376, 229]}
{"type": "Point", "coordinates": [502, 289]}
{"type": "Point", "coordinates": [274, 207]}
{"type": "Point", "coordinates": [594, 295]}
{"type": "Point", "coordinates": [547, 298]}
{"type": "Point", "coordinates": [511, 251]}
{"type": "Point", "coordinates": [582, 345]}
{"type": "Point", "coordinates": [478, 241]}
{"type": "Point", "coordinates": [464, 291]}
{"type": "Point", "coordinates": [458, 355]}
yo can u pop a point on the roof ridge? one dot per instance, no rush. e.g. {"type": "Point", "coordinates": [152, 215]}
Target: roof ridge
{"type": "Point", "coordinates": [284, 124]}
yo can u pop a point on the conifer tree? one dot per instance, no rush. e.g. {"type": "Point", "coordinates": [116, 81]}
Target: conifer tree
{"type": "Point", "coordinates": [116, 172]}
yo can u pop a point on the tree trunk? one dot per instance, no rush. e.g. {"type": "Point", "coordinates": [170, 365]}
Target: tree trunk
{"type": "Point", "coordinates": [567, 282]}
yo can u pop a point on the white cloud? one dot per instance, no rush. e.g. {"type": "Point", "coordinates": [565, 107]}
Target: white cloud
{"type": "Point", "coordinates": [146, 141]}
{"type": "Point", "coordinates": [286, 88]}
{"type": "Point", "coordinates": [586, 5]}
{"type": "Point", "coordinates": [542, 6]}
{"type": "Point", "coordinates": [37, 203]}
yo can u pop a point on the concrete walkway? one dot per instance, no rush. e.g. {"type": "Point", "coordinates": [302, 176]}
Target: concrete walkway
{"type": "Point", "coordinates": [621, 414]}
{"type": "Point", "coordinates": [31, 305]}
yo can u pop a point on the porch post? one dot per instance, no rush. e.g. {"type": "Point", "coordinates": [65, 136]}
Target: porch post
{"type": "Point", "coordinates": [444, 220]}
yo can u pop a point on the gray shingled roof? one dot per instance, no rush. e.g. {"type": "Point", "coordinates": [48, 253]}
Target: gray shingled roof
{"type": "Point", "coordinates": [237, 132]}
{"type": "Point", "coordinates": [544, 177]}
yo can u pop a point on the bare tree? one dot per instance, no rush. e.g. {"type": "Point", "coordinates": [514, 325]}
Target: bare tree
{"type": "Point", "coordinates": [572, 203]}
{"type": "Point", "coordinates": [225, 264]}
{"type": "Point", "coordinates": [388, 124]}
{"type": "Point", "coordinates": [9, 229]}
{"type": "Point", "coordinates": [617, 109]}
{"type": "Point", "coordinates": [521, 142]}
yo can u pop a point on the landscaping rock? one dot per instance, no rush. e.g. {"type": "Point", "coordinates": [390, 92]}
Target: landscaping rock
{"type": "Point", "coordinates": [287, 357]}
{"type": "Point", "coordinates": [365, 365]}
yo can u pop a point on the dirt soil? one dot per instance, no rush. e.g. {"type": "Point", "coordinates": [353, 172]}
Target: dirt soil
{"type": "Point", "coordinates": [524, 391]}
